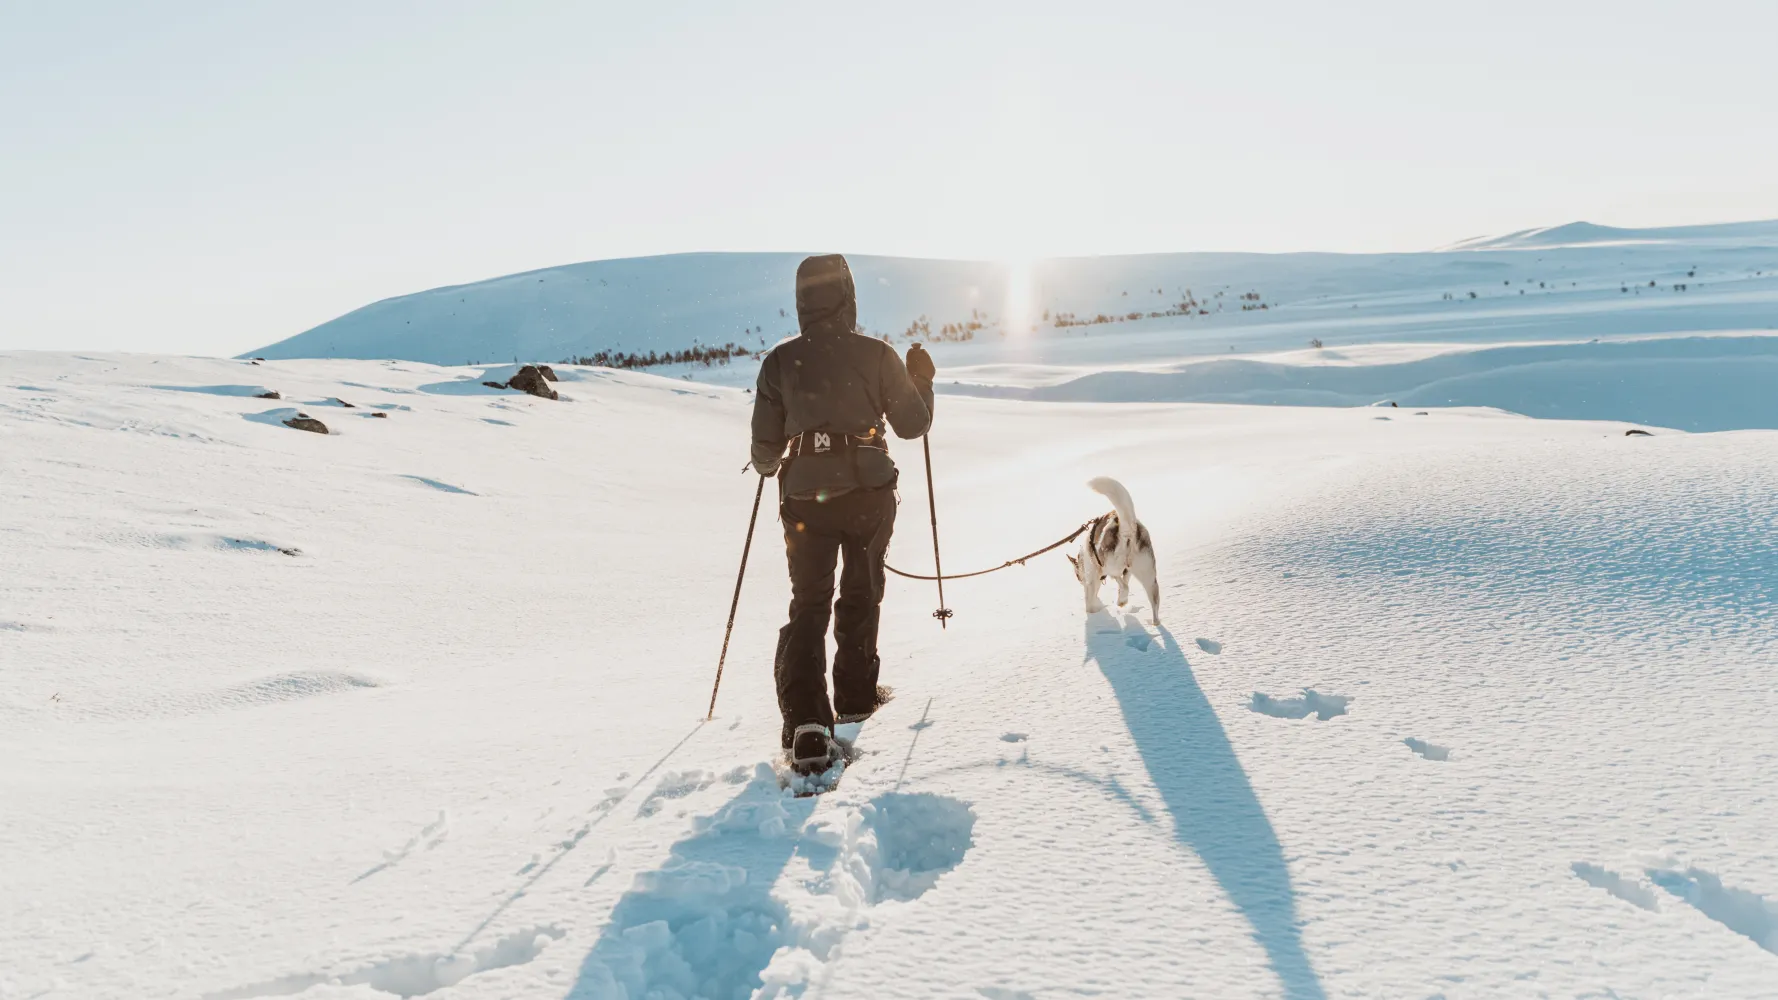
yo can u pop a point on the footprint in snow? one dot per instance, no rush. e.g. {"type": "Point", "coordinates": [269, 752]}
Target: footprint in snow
{"type": "Point", "coordinates": [675, 785]}
{"type": "Point", "coordinates": [1322, 706]}
{"type": "Point", "coordinates": [1431, 751]}
{"type": "Point", "coordinates": [1743, 911]}
{"type": "Point", "coordinates": [1631, 890]}
{"type": "Point", "coordinates": [701, 918]}
{"type": "Point", "coordinates": [415, 974]}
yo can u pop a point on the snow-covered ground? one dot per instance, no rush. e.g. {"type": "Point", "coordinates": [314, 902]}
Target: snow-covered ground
{"type": "Point", "coordinates": [1445, 702]}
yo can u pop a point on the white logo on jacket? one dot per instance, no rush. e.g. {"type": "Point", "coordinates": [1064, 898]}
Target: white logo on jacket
{"type": "Point", "coordinates": [823, 442]}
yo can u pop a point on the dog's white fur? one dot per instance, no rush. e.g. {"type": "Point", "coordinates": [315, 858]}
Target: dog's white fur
{"type": "Point", "coordinates": [1116, 546]}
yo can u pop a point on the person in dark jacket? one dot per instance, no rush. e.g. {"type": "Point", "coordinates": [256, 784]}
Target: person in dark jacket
{"type": "Point", "coordinates": [825, 394]}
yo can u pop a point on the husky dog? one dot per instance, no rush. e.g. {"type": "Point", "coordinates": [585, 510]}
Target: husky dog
{"type": "Point", "coordinates": [1116, 546]}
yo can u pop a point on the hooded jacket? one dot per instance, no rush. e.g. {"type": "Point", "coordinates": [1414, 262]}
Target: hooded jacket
{"type": "Point", "coordinates": [831, 378]}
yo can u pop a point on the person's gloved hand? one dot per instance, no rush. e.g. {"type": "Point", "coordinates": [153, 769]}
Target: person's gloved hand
{"type": "Point", "coordinates": [920, 363]}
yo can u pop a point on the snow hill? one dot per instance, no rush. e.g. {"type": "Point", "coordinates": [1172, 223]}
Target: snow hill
{"type": "Point", "coordinates": [1444, 701]}
{"type": "Point", "coordinates": [1583, 285]}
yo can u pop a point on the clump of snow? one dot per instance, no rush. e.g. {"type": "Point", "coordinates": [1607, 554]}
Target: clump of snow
{"type": "Point", "coordinates": [675, 785]}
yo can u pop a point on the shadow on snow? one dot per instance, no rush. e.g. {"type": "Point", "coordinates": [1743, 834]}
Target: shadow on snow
{"type": "Point", "coordinates": [1215, 812]}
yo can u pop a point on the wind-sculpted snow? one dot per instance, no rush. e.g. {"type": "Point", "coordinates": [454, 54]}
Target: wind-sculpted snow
{"type": "Point", "coordinates": [1662, 550]}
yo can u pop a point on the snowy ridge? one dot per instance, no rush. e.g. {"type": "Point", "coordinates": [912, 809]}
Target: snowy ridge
{"type": "Point", "coordinates": [1152, 305]}
{"type": "Point", "coordinates": [1455, 704]}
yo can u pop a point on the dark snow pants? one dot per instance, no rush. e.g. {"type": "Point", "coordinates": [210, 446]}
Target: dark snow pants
{"type": "Point", "coordinates": [857, 526]}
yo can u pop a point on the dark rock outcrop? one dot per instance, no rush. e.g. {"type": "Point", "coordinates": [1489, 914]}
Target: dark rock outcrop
{"type": "Point", "coordinates": [530, 380]}
{"type": "Point", "coordinates": [304, 422]}
{"type": "Point", "coordinates": [548, 373]}
{"type": "Point", "coordinates": [273, 394]}
{"type": "Point", "coordinates": [1637, 432]}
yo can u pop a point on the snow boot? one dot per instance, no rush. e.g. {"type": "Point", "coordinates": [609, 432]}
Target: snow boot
{"type": "Point", "coordinates": [811, 749]}
{"type": "Point", "coordinates": [885, 695]}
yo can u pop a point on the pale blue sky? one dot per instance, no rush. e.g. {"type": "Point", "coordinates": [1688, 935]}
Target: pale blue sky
{"type": "Point", "coordinates": [208, 177]}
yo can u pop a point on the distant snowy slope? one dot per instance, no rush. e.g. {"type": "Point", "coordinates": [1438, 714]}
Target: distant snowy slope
{"type": "Point", "coordinates": [632, 305]}
{"type": "Point", "coordinates": [1576, 234]}
{"type": "Point", "coordinates": [1689, 383]}
{"type": "Point", "coordinates": [1171, 305]}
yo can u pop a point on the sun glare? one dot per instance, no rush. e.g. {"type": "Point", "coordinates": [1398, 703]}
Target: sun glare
{"type": "Point", "coordinates": [1018, 314]}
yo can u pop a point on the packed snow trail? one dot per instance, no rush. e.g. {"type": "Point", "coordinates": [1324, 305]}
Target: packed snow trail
{"type": "Point", "coordinates": [281, 717]}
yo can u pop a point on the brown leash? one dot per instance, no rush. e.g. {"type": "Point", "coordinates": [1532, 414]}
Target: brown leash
{"type": "Point", "coordinates": [1020, 561]}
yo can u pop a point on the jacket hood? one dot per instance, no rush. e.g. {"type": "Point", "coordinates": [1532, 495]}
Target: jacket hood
{"type": "Point", "coordinates": [826, 299]}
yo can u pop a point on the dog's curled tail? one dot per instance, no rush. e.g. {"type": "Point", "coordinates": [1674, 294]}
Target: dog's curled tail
{"type": "Point", "coordinates": [1119, 497]}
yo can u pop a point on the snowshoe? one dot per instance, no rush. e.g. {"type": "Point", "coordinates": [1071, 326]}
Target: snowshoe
{"type": "Point", "coordinates": [811, 749]}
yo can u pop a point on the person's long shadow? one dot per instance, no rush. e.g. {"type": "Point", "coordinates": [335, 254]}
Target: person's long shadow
{"type": "Point", "coordinates": [1215, 812]}
{"type": "Point", "coordinates": [705, 922]}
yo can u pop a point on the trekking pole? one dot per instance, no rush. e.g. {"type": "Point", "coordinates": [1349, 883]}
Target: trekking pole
{"type": "Point", "coordinates": [943, 613]}
{"type": "Point", "coordinates": [736, 603]}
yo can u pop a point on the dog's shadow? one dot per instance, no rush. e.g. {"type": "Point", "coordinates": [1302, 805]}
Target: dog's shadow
{"type": "Point", "coordinates": [1215, 812]}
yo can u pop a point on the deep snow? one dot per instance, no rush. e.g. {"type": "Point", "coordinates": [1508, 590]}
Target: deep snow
{"type": "Point", "coordinates": [1452, 704]}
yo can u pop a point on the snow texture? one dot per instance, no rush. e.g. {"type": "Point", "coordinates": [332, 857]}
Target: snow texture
{"type": "Point", "coordinates": [418, 708]}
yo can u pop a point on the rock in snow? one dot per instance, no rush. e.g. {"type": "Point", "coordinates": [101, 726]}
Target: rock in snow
{"type": "Point", "coordinates": [530, 379]}
{"type": "Point", "coordinates": [304, 422]}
